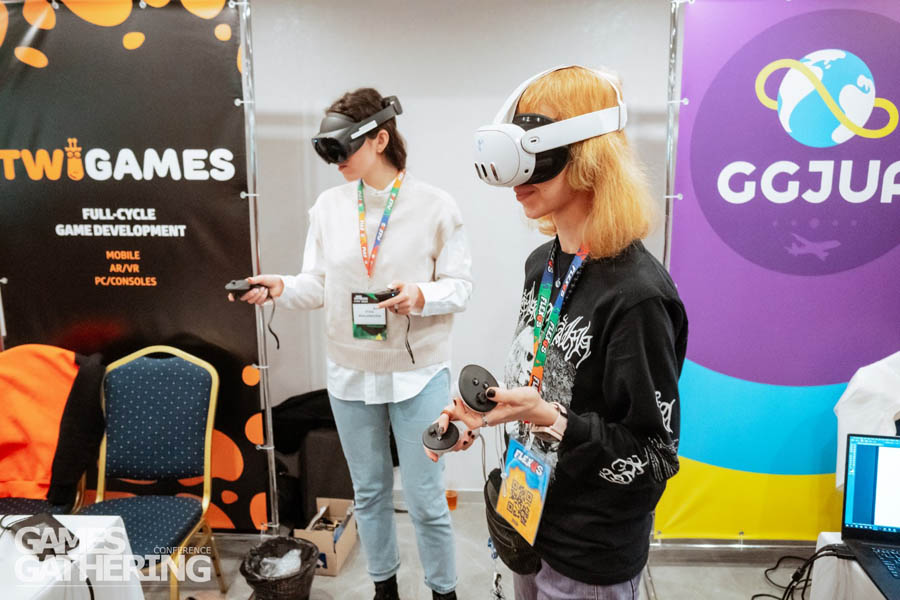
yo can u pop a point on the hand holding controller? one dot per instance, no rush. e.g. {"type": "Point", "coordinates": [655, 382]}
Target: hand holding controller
{"type": "Point", "coordinates": [266, 290]}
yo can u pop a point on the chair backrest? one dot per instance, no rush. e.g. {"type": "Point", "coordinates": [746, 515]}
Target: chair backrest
{"type": "Point", "coordinates": [160, 404]}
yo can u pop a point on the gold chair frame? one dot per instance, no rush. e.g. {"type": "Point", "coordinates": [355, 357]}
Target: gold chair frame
{"type": "Point", "coordinates": [207, 538]}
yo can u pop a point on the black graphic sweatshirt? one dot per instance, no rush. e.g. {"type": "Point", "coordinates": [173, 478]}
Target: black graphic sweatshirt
{"type": "Point", "coordinates": [614, 363]}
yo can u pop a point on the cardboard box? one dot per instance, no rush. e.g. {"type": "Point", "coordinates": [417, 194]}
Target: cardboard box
{"type": "Point", "coordinates": [332, 553]}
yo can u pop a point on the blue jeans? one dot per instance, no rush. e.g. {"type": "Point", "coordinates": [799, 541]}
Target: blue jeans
{"type": "Point", "coordinates": [364, 433]}
{"type": "Point", "coordinates": [549, 584]}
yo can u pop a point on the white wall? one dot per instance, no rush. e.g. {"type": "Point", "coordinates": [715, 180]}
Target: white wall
{"type": "Point", "coordinates": [451, 64]}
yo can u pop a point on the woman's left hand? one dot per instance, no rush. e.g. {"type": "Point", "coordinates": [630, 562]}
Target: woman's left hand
{"type": "Point", "coordinates": [409, 297]}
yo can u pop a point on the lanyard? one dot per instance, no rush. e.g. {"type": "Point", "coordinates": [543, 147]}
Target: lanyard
{"type": "Point", "coordinates": [369, 259]}
{"type": "Point", "coordinates": [543, 337]}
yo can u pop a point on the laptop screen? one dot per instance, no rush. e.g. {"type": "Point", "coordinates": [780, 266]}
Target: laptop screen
{"type": "Point", "coordinates": [872, 485]}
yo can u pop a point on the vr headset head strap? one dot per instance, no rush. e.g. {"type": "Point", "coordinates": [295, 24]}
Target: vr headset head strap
{"type": "Point", "coordinates": [508, 110]}
{"type": "Point", "coordinates": [387, 113]}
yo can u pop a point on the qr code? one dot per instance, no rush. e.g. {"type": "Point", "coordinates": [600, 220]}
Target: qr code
{"type": "Point", "coordinates": [519, 503]}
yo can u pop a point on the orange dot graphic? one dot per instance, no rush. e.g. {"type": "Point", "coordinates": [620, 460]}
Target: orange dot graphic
{"type": "Point", "coordinates": [39, 13]}
{"type": "Point", "coordinates": [250, 375]}
{"type": "Point", "coordinates": [259, 513]}
{"type": "Point", "coordinates": [229, 497]}
{"type": "Point", "coordinates": [4, 21]}
{"type": "Point", "coordinates": [215, 516]}
{"type": "Point", "coordinates": [254, 429]}
{"type": "Point", "coordinates": [205, 9]}
{"type": "Point", "coordinates": [108, 13]}
{"type": "Point", "coordinates": [157, 3]}
{"type": "Point", "coordinates": [227, 460]}
{"type": "Point", "coordinates": [240, 60]}
{"type": "Point", "coordinates": [223, 32]}
{"type": "Point", "coordinates": [133, 40]}
{"type": "Point", "coordinates": [32, 57]}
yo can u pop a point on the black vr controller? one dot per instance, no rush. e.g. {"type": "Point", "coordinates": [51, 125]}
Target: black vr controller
{"type": "Point", "coordinates": [385, 294]}
{"type": "Point", "coordinates": [438, 442]}
{"type": "Point", "coordinates": [239, 286]}
{"type": "Point", "coordinates": [474, 381]}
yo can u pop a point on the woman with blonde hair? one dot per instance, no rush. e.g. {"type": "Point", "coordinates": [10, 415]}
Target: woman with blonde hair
{"type": "Point", "coordinates": [591, 381]}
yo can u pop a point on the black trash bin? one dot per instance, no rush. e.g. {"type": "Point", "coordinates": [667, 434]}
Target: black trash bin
{"type": "Point", "coordinates": [295, 586]}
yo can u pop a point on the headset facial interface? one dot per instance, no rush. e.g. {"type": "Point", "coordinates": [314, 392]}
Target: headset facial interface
{"type": "Point", "coordinates": [340, 136]}
{"type": "Point", "coordinates": [531, 148]}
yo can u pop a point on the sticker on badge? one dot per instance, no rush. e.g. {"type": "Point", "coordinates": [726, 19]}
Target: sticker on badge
{"type": "Point", "coordinates": [369, 321]}
{"type": "Point", "coordinates": [524, 489]}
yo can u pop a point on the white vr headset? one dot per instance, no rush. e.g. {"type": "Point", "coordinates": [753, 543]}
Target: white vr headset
{"type": "Point", "coordinates": [531, 148]}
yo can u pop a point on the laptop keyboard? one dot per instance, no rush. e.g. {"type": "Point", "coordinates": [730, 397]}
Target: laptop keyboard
{"type": "Point", "coordinates": [890, 557]}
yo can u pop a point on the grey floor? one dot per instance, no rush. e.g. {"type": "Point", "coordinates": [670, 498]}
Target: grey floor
{"type": "Point", "coordinates": [674, 573]}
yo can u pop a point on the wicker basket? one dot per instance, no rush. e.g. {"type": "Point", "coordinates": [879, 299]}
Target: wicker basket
{"type": "Point", "coordinates": [295, 586]}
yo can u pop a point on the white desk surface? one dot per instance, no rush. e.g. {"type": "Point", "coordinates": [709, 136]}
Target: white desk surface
{"type": "Point", "coordinates": [24, 577]}
{"type": "Point", "coordinates": [838, 579]}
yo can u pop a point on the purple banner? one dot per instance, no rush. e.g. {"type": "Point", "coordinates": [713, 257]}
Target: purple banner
{"type": "Point", "coordinates": [785, 244]}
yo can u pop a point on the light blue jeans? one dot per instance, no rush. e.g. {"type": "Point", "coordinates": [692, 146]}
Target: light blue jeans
{"type": "Point", "coordinates": [364, 432]}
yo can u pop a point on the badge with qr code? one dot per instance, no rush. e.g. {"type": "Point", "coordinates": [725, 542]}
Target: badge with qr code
{"type": "Point", "coordinates": [521, 498]}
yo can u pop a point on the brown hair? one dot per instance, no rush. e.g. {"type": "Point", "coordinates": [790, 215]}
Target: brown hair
{"type": "Point", "coordinates": [363, 103]}
{"type": "Point", "coordinates": [622, 210]}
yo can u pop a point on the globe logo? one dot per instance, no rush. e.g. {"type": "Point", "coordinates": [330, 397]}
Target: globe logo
{"type": "Point", "coordinates": [826, 98]}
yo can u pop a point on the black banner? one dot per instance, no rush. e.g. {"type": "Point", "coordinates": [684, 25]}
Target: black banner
{"type": "Point", "coordinates": [122, 162]}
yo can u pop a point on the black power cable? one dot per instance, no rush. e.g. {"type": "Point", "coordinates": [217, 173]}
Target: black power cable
{"type": "Point", "coordinates": [802, 577]}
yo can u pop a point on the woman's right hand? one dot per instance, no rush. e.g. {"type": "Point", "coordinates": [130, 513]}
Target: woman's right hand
{"type": "Point", "coordinates": [273, 286]}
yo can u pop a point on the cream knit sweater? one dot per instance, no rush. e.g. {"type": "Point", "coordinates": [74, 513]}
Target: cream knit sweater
{"type": "Point", "coordinates": [423, 219]}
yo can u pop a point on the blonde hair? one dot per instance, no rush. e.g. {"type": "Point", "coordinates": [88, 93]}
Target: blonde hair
{"type": "Point", "coordinates": [622, 210]}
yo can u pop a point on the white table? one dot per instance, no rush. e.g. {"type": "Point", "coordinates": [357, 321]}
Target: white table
{"type": "Point", "coordinates": [838, 579]}
{"type": "Point", "coordinates": [102, 551]}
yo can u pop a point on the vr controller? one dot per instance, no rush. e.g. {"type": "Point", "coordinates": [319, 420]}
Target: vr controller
{"type": "Point", "coordinates": [385, 294]}
{"type": "Point", "coordinates": [474, 381]}
{"type": "Point", "coordinates": [437, 442]}
{"type": "Point", "coordinates": [237, 286]}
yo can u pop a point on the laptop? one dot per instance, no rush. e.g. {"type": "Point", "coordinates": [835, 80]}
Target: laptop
{"type": "Point", "coordinates": [871, 521]}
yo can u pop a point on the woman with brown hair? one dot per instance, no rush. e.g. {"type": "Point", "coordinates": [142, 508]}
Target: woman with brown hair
{"type": "Point", "coordinates": [591, 381]}
{"type": "Point", "coordinates": [388, 308]}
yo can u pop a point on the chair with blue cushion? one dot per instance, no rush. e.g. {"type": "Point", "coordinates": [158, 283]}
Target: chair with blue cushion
{"type": "Point", "coordinates": [160, 404]}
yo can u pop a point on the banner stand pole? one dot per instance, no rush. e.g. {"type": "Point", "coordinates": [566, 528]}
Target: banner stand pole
{"type": "Point", "coordinates": [673, 107]}
{"type": "Point", "coordinates": [251, 195]}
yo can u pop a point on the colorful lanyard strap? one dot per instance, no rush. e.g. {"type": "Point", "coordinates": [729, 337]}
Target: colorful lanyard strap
{"type": "Point", "coordinates": [543, 336]}
{"type": "Point", "coordinates": [369, 258]}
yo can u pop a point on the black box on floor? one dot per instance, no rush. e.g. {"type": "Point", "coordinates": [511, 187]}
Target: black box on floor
{"type": "Point", "coordinates": [322, 469]}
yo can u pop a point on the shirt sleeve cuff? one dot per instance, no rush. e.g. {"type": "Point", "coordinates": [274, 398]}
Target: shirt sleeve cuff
{"type": "Point", "coordinates": [429, 291]}
{"type": "Point", "coordinates": [578, 431]}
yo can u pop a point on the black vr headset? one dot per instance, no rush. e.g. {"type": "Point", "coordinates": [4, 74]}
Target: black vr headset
{"type": "Point", "coordinates": [340, 136]}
